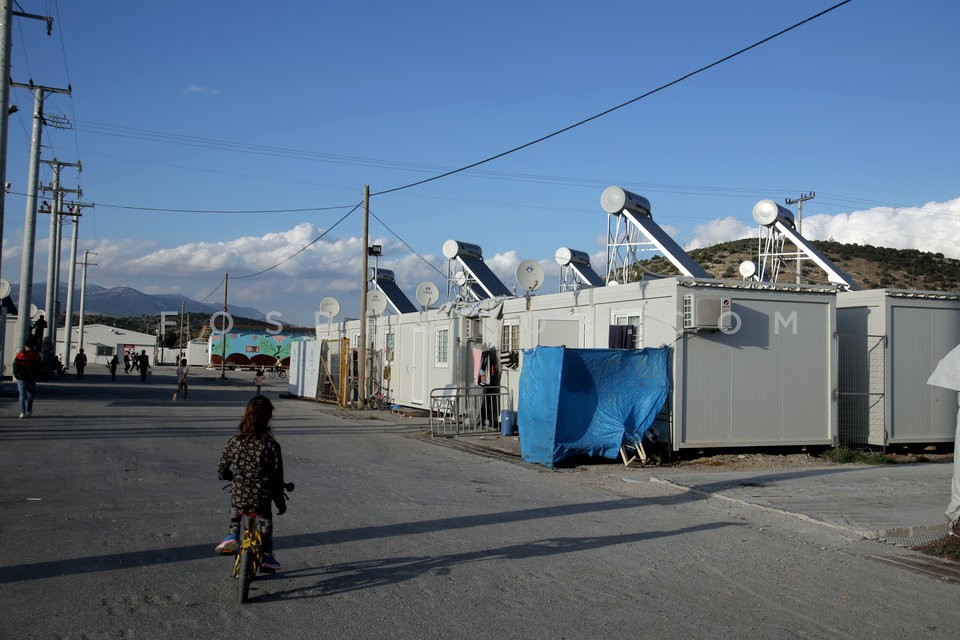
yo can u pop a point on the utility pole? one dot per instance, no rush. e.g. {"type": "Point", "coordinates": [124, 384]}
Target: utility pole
{"type": "Point", "coordinates": [49, 346]}
{"type": "Point", "coordinates": [799, 202]}
{"type": "Point", "coordinates": [71, 281]}
{"type": "Point", "coordinates": [83, 294]}
{"type": "Point", "coordinates": [362, 353]}
{"type": "Point", "coordinates": [180, 353]}
{"type": "Point", "coordinates": [6, 23]}
{"type": "Point", "coordinates": [69, 210]}
{"type": "Point", "coordinates": [30, 215]}
{"type": "Point", "coordinates": [223, 335]}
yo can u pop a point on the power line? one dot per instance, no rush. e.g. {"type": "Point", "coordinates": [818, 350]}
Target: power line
{"type": "Point", "coordinates": [242, 147]}
{"type": "Point", "coordinates": [304, 247]}
{"type": "Point", "coordinates": [213, 291]}
{"type": "Point", "coordinates": [143, 134]}
{"type": "Point", "coordinates": [615, 108]}
{"type": "Point", "coordinates": [379, 163]}
{"type": "Point", "coordinates": [222, 211]}
{"type": "Point", "coordinates": [210, 211]}
{"type": "Point", "coordinates": [287, 259]}
{"type": "Point", "coordinates": [407, 245]}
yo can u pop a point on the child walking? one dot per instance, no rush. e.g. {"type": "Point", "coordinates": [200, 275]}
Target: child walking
{"type": "Point", "coordinates": [183, 372]}
{"type": "Point", "coordinates": [253, 461]}
{"type": "Point", "coordinates": [258, 380]}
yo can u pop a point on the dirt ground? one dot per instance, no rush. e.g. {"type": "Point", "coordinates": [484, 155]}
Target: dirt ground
{"type": "Point", "coordinates": [748, 461]}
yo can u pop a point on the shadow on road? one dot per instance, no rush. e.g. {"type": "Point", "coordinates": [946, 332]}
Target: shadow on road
{"type": "Point", "coordinates": [354, 576]}
{"type": "Point", "coordinates": [160, 556]}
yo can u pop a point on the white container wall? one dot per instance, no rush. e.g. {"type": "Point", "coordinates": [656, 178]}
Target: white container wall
{"type": "Point", "coordinates": [768, 380]}
{"type": "Point", "coordinates": [893, 340]}
{"type": "Point", "coordinates": [304, 373]}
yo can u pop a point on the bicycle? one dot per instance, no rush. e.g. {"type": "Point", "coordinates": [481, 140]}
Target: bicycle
{"type": "Point", "coordinates": [275, 372]}
{"type": "Point", "coordinates": [249, 559]}
{"type": "Point", "coordinates": [379, 400]}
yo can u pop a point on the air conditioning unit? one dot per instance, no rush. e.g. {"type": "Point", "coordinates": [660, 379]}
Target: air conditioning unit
{"type": "Point", "coordinates": [706, 312]}
{"type": "Point", "coordinates": [471, 329]}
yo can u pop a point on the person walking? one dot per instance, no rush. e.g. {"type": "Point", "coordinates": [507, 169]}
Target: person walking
{"type": "Point", "coordinates": [143, 363]}
{"type": "Point", "coordinates": [38, 328]}
{"type": "Point", "coordinates": [26, 370]}
{"type": "Point", "coordinates": [258, 380]}
{"type": "Point", "coordinates": [80, 363]}
{"type": "Point", "coordinates": [182, 372]}
{"type": "Point", "coordinates": [126, 362]}
{"type": "Point", "coordinates": [113, 367]}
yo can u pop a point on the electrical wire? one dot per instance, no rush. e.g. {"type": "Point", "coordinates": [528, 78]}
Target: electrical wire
{"type": "Point", "coordinates": [287, 259]}
{"type": "Point", "coordinates": [106, 129]}
{"type": "Point", "coordinates": [222, 211]}
{"type": "Point", "coordinates": [304, 247]}
{"type": "Point", "coordinates": [157, 136]}
{"type": "Point", "coordinates": [615, 108]}
{"type": "Point", "coordinates": [407, 245]}
{"type": "Point", "coordinates": [210, 211]}
{"type": "Point", "coordinates": [23, 43]}
{"type": "Point", "coordinates": [204, 298]}
{"type": "Point", "coordinates": [66, 68]}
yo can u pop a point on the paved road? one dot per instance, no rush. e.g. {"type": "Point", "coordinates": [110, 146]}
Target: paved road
{"type": "Point", "coordinates": [111, 509]}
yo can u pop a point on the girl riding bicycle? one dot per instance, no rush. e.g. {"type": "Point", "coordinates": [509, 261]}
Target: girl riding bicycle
{"type": "Point", "coordinates": [253, 461]}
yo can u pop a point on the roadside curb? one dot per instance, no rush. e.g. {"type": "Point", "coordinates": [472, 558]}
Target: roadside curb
{"type": "Point", "coordinates": [800, 516]}
{"type": "Point", "coordinates": [909, 537]}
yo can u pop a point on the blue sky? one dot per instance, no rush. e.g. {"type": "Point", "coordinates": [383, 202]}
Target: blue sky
{"type": "Point", "coordinates": [242, 107]}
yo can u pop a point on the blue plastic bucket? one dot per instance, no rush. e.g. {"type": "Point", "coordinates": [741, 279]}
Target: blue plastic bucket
{"type": "Point", "coordinates": [508, 421]}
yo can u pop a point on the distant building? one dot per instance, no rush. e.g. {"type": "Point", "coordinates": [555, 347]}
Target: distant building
{"type": "Point", "coordinates": [252, 348]}
{"type": "Point", "coordinates": [101, 342]}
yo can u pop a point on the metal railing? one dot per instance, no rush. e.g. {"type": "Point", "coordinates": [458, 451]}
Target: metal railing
{"type": "Point", "coordinates": [458, 410]}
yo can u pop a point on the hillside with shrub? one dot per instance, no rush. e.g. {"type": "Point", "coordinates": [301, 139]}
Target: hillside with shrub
{"type": "Point", "coordinates": [871, 267]}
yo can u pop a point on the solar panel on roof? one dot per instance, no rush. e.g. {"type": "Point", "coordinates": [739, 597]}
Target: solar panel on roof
{"type": "Point", "coordinates": [587, 274]}
{"type": "Point", "coordinates": [484, 277]}
{"type": "Point", "coordinates": [666, 244]}
{"type": "Point", "coordinates": [400, 302]}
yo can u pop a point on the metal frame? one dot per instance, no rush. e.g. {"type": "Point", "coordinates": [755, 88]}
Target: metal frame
{"type": "Point", "coordinates": [459, 410]}
{"type": "Point", "coordinates": [860, 391]}
{"type": "Point", "coordinates": [332, 383]}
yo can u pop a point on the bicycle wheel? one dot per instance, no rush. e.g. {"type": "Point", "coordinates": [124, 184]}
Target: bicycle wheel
{"type": "Point", "coordinates": [282, 373]}
{"type": "Point", "coordinates": [245, 575]}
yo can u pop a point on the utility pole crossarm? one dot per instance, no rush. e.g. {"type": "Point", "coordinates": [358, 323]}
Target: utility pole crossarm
{"type": "Point", "coordinates": [34, 16]}
{"type": "Point", "coordinates": [73, 208]}
{"type": "Point", "coordinates": [78, 165]}
{"type": "Point", "coordinates": [799, 202]}
{"type": "Point", "coordinates": [41, 88]}
{"type": "Point", "coordinates": [799, 224]}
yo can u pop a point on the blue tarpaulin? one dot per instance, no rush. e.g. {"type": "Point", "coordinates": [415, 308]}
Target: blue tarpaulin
{"type": "Point", "coordinates": [584, 401]}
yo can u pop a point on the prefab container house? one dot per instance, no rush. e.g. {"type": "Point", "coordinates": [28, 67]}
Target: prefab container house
{"type": "Point", "coordinates": [890, 341]}
{"type": "Point", "coordinates": [753, 364]}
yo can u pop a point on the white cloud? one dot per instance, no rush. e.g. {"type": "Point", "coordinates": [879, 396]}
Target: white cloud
{"type": "Point", "coordinates": [193, 88]}
{"type": "Point", "coordinates": [933, 227]}
{"type": "Point", "coordinates": [332, 267]}
{"type": "Point", "coordinates": [504, 266]}
{"type": "Point", "coordinates": [720, 230]}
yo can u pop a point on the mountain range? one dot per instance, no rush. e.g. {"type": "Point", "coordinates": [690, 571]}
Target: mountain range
{"type": "Point", "coordinates": [127, 301]}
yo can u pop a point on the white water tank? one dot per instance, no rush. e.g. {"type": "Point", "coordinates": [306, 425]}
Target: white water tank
{"type": "Point", "coordinates": [615, 199]}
